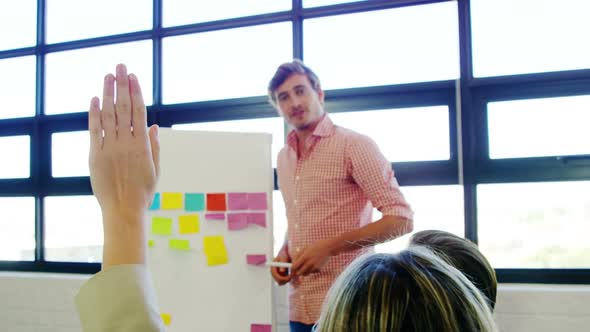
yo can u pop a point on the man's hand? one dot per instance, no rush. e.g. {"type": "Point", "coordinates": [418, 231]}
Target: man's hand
{"type": "Point", "coordinates": [313, 258]}
{"type": "Point", "coordinates": [281, 274]}
{"type": "Point", "coordinates": [124, 166]}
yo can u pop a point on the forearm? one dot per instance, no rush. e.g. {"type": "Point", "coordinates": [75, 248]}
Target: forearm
{"type": "Point", "coordinates": [382, 230]}
{"type": "Point", "coordinates": [124, 240]}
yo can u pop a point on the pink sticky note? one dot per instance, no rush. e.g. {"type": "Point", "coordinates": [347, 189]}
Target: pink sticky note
{"type": "Point", "coordinates": [257, 219]}
{"type": "Point", "coordinates": [256, 259]}
{"type": "Point", "coordinates": [237, 221]}
{"type": "Point", "coordinates": [257, 201]}
{"type": "Point", "coordinates": [237, 201]}
{"type": "Point", "coordinates": [215, 216]}
{"type": "Point", "coordinates": [260, 328]}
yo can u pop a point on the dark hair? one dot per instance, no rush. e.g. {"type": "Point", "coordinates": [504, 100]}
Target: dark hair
{"type": "Point", "coordinates": [413, 290]}
{"type": "Point", "coordinates": [463, 255]}
{"type": "Point", "coordinates": [285, 71]}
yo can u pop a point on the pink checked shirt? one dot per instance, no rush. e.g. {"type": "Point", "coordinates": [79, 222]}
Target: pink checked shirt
{"type": "Point", "coordinates": [328, 191]}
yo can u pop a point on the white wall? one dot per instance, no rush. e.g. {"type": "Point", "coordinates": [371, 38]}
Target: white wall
{"type": "Point", "coordinates": [35, 302]}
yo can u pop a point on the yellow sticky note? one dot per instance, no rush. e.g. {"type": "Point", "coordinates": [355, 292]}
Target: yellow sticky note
{"type": "Point", "coordinates": [166, 318]}
{"type": "Point", "coordinates": [214, 248]}
{"type": "Point", "coordinates": [188, 224]}
{"type": "Point", "coordinates": [151, 243]}
{"type": "Point", "coordinates": [161, 226]}
{"type": "Point", "coordinates": [179, 244]}
{"type": "Point", "coordinates": [213, 244]}
{"type": "Point", "coordinates": [171, 201]}
{"type": "Point", "coordinates": [213, 260]}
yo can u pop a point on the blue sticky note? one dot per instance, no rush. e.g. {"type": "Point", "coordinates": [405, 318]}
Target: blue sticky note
{"type": "Point", "coordinates": [156, 202]}
{"type": "Point", "coordinates": [194, 202]}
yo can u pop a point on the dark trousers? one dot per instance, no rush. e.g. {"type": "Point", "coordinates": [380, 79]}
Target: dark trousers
{"type": "Point", "coordinates": [300, 327]}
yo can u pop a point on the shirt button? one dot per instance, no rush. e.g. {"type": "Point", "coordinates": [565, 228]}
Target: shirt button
{"type": "Point", "coordinates": [297, 249]}
{"type": "Point", "coordinates": [296, 226]}
{"type": "Point", "coordinates": [302, 297]}
{"type": "Point", "coordinates": [295, 202]}
{"type": "Point", "coordinates": [297, 178]}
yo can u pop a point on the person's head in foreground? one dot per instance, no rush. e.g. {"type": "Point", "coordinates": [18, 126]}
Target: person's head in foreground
{"type": "Point", "coordinates": [464, 255]}
{"type": "Point", "coordinates": [413, 290]}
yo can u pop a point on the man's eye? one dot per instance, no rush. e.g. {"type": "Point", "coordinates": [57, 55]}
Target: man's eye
{"type": "Point", "coordinates": [282, 98]}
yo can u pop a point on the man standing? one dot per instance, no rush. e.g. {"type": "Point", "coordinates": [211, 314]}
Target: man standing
{"type": "Point", "coordinates": [330, 178]}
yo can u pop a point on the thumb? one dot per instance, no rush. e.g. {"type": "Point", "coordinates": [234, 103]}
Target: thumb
{"type": "Point", "coordinates": [155, 144]}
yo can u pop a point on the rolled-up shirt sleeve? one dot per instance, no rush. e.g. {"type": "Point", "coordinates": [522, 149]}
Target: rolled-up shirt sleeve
{"type": "Point", "coordinates": [374, 174]}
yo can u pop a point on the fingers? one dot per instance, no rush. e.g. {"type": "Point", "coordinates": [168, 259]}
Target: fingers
{"type": "Point", "coordinates": [155, 145]}
{"type": "Point", "coordinates": [139, 114]}
{"type": "Point", "coordinates": [123, 103]}
{"type": "Point", "coordinates": [278, 277]}
{"type": "Point", "coordinates": [108, 120]}
{"type": "Point", "coordinates": [94, 126]}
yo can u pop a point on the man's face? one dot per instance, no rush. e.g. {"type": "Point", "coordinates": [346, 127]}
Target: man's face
{"type": "Point", "coordinates": [299, 104]}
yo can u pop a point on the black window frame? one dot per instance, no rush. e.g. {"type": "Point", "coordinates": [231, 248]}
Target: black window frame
{"type": "Point", "coordinates": [466, 99]}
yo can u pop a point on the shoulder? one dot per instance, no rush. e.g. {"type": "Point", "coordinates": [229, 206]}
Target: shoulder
{"type": "Point", "coordinates": [354, 140]}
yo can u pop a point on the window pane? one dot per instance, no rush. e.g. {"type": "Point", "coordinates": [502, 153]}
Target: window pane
{"type": "Point", "coordinates": [180, 12]}
{"type": "Point", "coordinates": [18, 23]}
{"type": "Point", "coordinates": [74, 19]}
{"type": "Point", "coordinates": [318, 3]}
{"type": "Point", "coordinates": [274, 126]}
{"type": "Point", "coordinates": [539, 127]}
{"type": "Point", "coordinates": [435, 207]}
{"type": "Point", "coordinates": [392, 129]}
{"type": "Point", "coordinates": [223, 64]}
{"type": "Point", "coordinates": [17, 238]}
{"type": "Point", "coordinates": [69, 154]}
{"type": "Point", "coordinates": [535, 225]}
{"type": "Point", "coordinates": [74, 77]}
{"type": "Point", "coordinates": [73, 229]}
{"type": "Point", "coordinates": [16, 152]}
{"type": "Point", "coordinates": [425, 47]}
{"type": "Point", "coordinates": [17, 87]}
{"type": "Point", "coordinates": [534, 36]}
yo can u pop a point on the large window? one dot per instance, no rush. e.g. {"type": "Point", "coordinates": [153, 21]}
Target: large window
{"type": "Point", "coordinates": [223, 64]}
{"type": "Point", "coordinates": [482, 107]}
{"type": "Point", "coordinates": [525, 41]}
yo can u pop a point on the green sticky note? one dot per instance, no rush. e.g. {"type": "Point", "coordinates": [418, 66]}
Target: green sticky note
{"type": "Point", "coordinates": [188, 224]}
{"type": "Point", "coordinates": [162, 226]}
{"type": "Point", "coordinates": [194, 202]}
{"type": "Point", "coordinates": [151, 243]}
{"type": "Point", "coordinates": [179, 244]}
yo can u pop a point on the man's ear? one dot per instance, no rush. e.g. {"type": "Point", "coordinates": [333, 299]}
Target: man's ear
{"type": "Point", "coordinates": [321, 95]}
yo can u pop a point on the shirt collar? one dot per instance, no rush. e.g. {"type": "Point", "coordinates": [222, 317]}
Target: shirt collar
{"type": "Point", "coordinates": [324, 128]}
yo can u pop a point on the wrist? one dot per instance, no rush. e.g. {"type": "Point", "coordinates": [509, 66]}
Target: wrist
{"type": "Point", "coordinates": [333, 247]}
{"type": "Point", "coordinates": [124, 240]}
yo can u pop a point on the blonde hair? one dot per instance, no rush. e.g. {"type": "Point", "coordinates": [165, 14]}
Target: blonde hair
{"type": "Point", "coordinates": [413, 290]}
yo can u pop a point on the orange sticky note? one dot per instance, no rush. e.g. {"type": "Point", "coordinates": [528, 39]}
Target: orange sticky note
{"type": "Point", "coordinates": [172, 201]}
{"type": "Point", "coordinates": [188, 224]}
{"type": "Point", "coordinates": [166, 318]}
{"type": "Point", "coordinates": [216, 202]}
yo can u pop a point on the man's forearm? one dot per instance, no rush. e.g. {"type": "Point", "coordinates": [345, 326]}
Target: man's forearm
{"type": "Point", "coordinates": [382, 230]}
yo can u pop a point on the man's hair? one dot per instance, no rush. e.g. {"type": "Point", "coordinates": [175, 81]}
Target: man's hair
{"type": "Point", "coordinates": [285, 71]}
{"type": "Point", "coordinates": [413, 290]}
{"type": "Point", "coordinates": [464, 255]}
